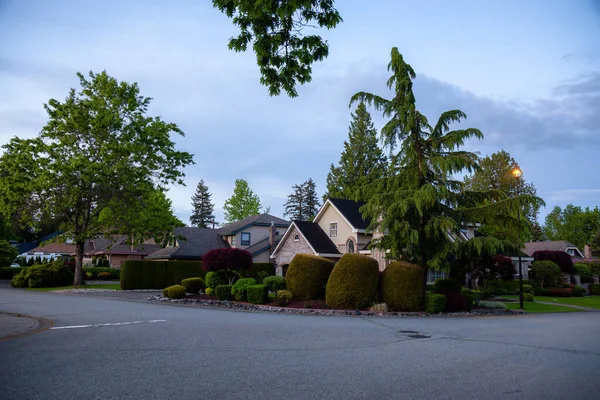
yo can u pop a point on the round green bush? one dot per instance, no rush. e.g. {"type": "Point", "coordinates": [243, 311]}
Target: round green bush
{"type": "Point", "coordinates": [353, 282]}
{"type": "Point", "coordinates": [238, 290]}
{"type": "Point", "coordinates": [547, 274]}
{"type": "Point", "coordinates": [283, 297]}
{"type": "Point", "coordinates": [402, 286]}
{"type": "Point", "coordinates": [307, 276]}
{"type": "Point", "coordinates": [193, 285]}
{"type": "Point", "coordinates": [527, 297]}
{"type": "Point", "coordinates": [435, 303]}
{"type": "Point", "coordinates": [213, 279]}
{"type": "Point", "coordinates": [274, 283]}
{"type": "Point", "coordinates": [175, 292]}
{"type": "Point", "coordinates": [578, 291]}
{"type": "Point", "coordinates": [528, 289]}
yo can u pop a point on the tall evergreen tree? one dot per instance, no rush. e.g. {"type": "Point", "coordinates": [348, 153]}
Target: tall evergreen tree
{"type": "Point", "coordinates": [361, 162]}
{"type": "Point", "coordinates": [311, 202]}
{"type": "Point", "coordinates": [203, 210]}
{"type": "Point", "coordinates": [421, 202]}
{"type": "Point", "coordinates": [242, 204]}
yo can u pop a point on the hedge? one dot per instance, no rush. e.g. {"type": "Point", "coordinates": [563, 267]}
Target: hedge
{"type": "Point", "coordinates": [223, 292]}
{"type": "Point", "coordinates": [402, 286]}
{"type": "Point", "coordinates": [307, 276]}
{"type": "Point", "coordinates": [435, 303]}
{"type": "Point", "coordinates": [578, 291]}
{"type": "Point", "coordinates": [584, 271]}
{"type": "Point", "coordinates": [143, 274]}
{"type": "Point", "coordinates": [238, 290]}
{"type": "Point", "coordinates": [193, 285]}
{"type": "Point", "coordinates": [174, 292]}
{"type": "Point", "coordinates": [595, 289]}
{"type": "Point", "coordinates": [43, 275]}
{"type": "Point", "coordinates": [9, 272]}
{"type": "Point", "coordinates": [560, 292]}
{"type": "Point", "coordinates": [447, 286]}
{"type": "Point", "coordinates": [257, 294]}
{"type": "Point", "coordinates": [353, 282]}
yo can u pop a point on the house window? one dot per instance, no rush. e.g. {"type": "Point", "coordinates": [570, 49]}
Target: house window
{"type": "Point", "coordinates": [433, 276]}
{"type": "Point", "coordinates": [245, 238]}
{"type": "Point", "coordinates": [350, 246]}
{"type": "Point", "coordinates": [296, 238]}
{"type": "Point", "coordinates": [333, 229]}
{"type": "Point", "coordinates": [233, 240]}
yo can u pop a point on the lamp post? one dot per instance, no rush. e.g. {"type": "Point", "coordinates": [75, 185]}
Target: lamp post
{"type": "Point", "coordinates": [517, 173]}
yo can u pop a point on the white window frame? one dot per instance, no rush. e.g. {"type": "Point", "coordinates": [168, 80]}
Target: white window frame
{"type": "Point", "coordinates": [296, 238]}
{"type": "Point", "coordinates": [242, 242]}
{"type": "Point", "coordinates": [353, 246]}
{"type": "Point", "coordinates": [331, 226]}
{"type": "Point", "coordinates": [433, 276]}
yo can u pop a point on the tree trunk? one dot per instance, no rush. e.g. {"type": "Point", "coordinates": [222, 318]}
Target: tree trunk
{"type": "Point", "coordinates": [79, 249]}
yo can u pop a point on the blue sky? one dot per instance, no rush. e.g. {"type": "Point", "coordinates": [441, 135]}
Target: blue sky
{"type": "Point", "coordinates": [526, 73]}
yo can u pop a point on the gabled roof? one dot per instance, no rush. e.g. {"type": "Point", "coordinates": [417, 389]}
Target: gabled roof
{"type": "Point", "coordinates": [316, 238]}
{"type": "Point", "coordinates": [261, 246]}
{"type": "Point", "coordinates": [56, 248]}
{"type": "Point", "coordinates": [255, 220]}
{"type": "Point", "coordinates": [28, 246]}
{"type": "Point", "coordinates": [349, 210]}
{"type": "Point", "coordinates": [552, 245]}
{"type": "Point", "coordinates": [193, 243]}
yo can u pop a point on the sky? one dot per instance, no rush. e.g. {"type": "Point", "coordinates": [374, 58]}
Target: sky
{"type": "Point", "coordinates": [527, 74]}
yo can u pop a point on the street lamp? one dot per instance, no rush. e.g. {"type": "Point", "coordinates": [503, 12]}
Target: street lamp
{"type": "Point", "coordinates": [517, 173]}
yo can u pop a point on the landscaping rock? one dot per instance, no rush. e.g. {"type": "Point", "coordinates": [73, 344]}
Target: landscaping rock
{"type": "Point", "coordinates": [91, 290]}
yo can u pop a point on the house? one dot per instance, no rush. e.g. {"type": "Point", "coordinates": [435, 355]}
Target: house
{"type": "Point", "coordinates": [51, 251]}
{"type": "Point", "coordinates": [26, 247]}
{"type": "Point", "coordinates": [258, 234]}
{"type": "Point", "coordinates": [560, 245]}
{"type": "Point", "coordinates": [189, 244]}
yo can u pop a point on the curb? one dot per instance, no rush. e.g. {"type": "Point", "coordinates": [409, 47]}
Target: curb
{"type": "Point", "coordinates": [42, 324]}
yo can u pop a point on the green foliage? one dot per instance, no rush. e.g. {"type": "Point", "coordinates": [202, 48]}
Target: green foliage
{"type": "Point", "coordinates": [361, 162]}
{"type": "Point", "coordinates": [307, 276]}
{"type": "Point", "coordinates": [353, 282]}
{"type": "Point", "coordinates": [284, 297]}
{"type": "Point", "coordinates": [99, 154]}
{"type": "Point", "coordinates": [584, 271]}
{"type": "Point", "coordinates": [52, 274]}
{"type": "Point", "coordinates": [193, 285]}
{"type": "Point", "coordinates": [303, 204]}
{"type": "Point", "coordinates": [528, 289]}
{"type": "Point", "coordinates": [573, 223]}
{"type": "Point", "coordinates": [595, 289]}
{"type": "Point", "coordinates": [447, 286]}
{"type": "Point", "coordinates": [242, 204]}
{"type": "Point", "coordinates": [274, 284]}
{"type": "Point", "coordinates": [498, 305]}
{"type": "Point", "coordinates": [257, 294]}
{"type": "Point", "coordinates": [578, 291]}
{"type": "Point", "coordinates": [9, 272]}
{"type": "Point", "coordinates": [209, 291]}
{"type": "Point", "coordinates": [223, 292]}
{"type": "Point", "coordinates": [258, 271]}
{"type": "Point", "coordinates": [7, 254]}
{"type": "Point", "coordinates": [202, 209]}
{"type": "Point", "coordinates": [402, 286]}
{"type": "Point", "coordinates": [93, 272]}
{"type": "Point", "coordinates": [527, 297]}
{"type": "Point", "coordinates": [435, 303]}
{"type": "Point", "coordinates": [214, 279]}
{"type": "Point", "coordinates": [546, 273]}
{"type": "Point", "coordinates": [142, 274]}
{"type": "Point", "coordinates": [238, 290]}
{"type": "Point", "coordinates": [468, 301]}
{"type": "Point", "coordinates": [174, 292]}
{"type": "Point", "coordinates": [283, 53]}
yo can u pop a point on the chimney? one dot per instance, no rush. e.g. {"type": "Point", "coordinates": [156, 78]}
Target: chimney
{"type": "Point", "coordinates": [587, 252]}
{"type": "Point", "coordinates": [272, 235]}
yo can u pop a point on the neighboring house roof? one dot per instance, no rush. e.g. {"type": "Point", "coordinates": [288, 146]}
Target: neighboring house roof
{"type": "Point", "coordinates": [349, 210]}
{"type": "Point", "coordinates": [28, 246]}
{"type": "Point", "coordinates": [192, 243]}
{"type": "Point", "coordinates": [552, 245]}
{"type": "Point", "coordinates": [118, 245]}
{"type": "Point", "coordinates": [255, 220]}
{"type": "Point", "coordinates": [316, 238]}
{"type": "Point", "coordinates": [56, 248]}
{"type": "Point", "coordinates": [261, 246]}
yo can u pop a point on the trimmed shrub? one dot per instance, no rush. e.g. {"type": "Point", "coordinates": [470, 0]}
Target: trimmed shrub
{"type": "Point", "coordinates": [493, 305]}
{"type": "Point", "coordinates": [584, 271]}
{"type": "Point", "coordinates": [19, 280]}
{"type": "Point", "coordinates": [528, 289]}
{"type": "Point", "coordinates": [560, 258]}
{"type": "Point", "coordinates": [447, 286]}
{"type": "Point", "coordinates": [238, 290]}
{"type": "Point", "coordinates": [9, 272]}
{"type": "Point", "coordinates": [209, 291]}
{"type": "Point", "coordinates": [175, 292]}
{"type": "Point", "coordinates": [560, 292]}
{"type": "Point", "coordinates": [223, 292]}
{"type": "Point", "coordinates": [307, 276]}
{"type": "Point", "coordinates": [578, 291]}
{"type": "Point", "coordinates": [378, 308]}
{"type": "Point", "coordinates": [227, 259]}
{"type": "Point", "coordinates": [165, 292]}
{"type": "Point", "coordinates": [546, 273]}
{"type": "Point", "coordinates": [402, 286]}
{"type": "Point", "coordinates": [467, 302]}
{"type": "Point", "coordinates": [595, 289]}
{"type": "Point", "coordinates": [142, 274]}
{"type": "Point", "coordinates": [274, 283]}
{"type": "Point", "coordinates": [435, 303]}
{"type": "Point", "coordinates": [50, 274]}
{"type": "Point", "coordinates": [527, 297]}
{"type": "Point", "coordinates": [284, 297]}
{"type": "Point", "coordinates": [353, 282]}
{"type": "Point", "coordinates": [257, 294]}
{"type": "Point", "coordinates": [213, 280]}
{"type": "Point", "coordinates": [193, 285]}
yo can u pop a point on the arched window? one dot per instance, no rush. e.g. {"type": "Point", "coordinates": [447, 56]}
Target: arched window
{"type": "Point", "coordinates": [296, 238]}
{"type": "Point", "coordinates": [350, 246]}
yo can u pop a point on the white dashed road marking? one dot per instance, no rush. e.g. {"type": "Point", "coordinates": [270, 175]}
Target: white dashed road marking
{"type": "Point", "coordinates": [108, 324]}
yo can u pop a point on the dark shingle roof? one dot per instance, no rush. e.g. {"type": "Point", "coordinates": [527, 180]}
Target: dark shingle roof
{"type": "Point", "coordinates": [260, 220]}
{"type": "Point", "coordinates": [553, 245]}
{"type": "Point", "coordinates": [193, 244]}
{"type": "Point", "coordinates": [315, 236]}
{"type": "Point", "coordinates": [350, 209]}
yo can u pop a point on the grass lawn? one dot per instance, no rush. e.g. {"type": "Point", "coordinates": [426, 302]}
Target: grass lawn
{"type": "Point", "coordinates": [540, 308]}
{"type": "Point", "coordinates": [115, 286]}
{"type": "Point", "coordinates": [588, 301]}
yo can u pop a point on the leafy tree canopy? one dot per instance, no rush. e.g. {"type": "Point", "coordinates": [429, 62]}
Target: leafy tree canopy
{"type": "Point", "coordinates": [98, 150]}
{"type": "Point", "coordinates": [275, 28]}
{"type": "Point", "coordinates": [242, 204]}
{"type": "Point", "coordinates": [578, 225]}
{"type": "Point", "coordinates": [7, 254]}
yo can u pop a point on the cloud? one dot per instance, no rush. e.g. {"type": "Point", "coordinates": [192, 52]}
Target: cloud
{"type": "Point", "coordinates": [587, 56]}
{"type": "Point", "coordinates": [569, 195]}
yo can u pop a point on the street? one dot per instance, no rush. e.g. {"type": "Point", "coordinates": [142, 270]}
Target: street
{"type": "Point", "coordinates": [102, 348]}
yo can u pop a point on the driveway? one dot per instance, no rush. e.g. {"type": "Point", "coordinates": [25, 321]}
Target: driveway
{"type": "Point", "coordinates": [101, 348]}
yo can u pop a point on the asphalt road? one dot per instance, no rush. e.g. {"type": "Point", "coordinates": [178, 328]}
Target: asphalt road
{"type": "Point", "coordinates": [193, 353]}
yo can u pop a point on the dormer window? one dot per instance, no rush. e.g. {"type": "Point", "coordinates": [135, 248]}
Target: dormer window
{"type": "Point", "coordinates": [333, 229]}
{"type": "Point", "coordinates": [296, 238]}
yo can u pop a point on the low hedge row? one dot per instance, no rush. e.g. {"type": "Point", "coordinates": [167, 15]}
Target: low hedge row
{"type": "Point", "coordinates": [142, 274]}
{"type": "Point", "coordinates": [223, 292]}
{"type": "Point", "coordinates": [238, 290]}
{"type": "Point", "coordinates": [257, 294]}
{"type": "Point", "coordinates": [435, 303]}
{"type": "Point", "coordinates": [595, 289]}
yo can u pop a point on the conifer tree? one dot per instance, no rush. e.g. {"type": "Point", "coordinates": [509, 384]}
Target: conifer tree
{"type": "Point", "coordinates": [361, 162]}
{"type": "Point", "coordinates": [311, 200]}
{"type": "Point", "coordinates": [202, 214]}
{"type": "Point", "coordinates": [294, 207]}
{"type": "Point", "coordinates": [242, 204]}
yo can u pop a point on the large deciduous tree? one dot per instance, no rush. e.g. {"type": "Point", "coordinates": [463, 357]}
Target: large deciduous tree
{"type": "Point", "coordinates": [242, 204]}
{"type": "Point", "coordinates": [420, 204]}
{"type": "Point", "coordinates": [275, 28]}
{"type": "Point", "coordinates": [361, 162]}
{"type": "Point", "coordinates": [203, 210]}
{"type": "Point", "coordinates": [99, 149]}
{"type": "Point", "coordinates": [573, 223]}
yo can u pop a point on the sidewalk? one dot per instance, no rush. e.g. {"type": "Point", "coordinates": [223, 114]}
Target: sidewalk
{"type": "Point", "coordinates": [15, 325]}
{"type": "Point", "coordinates": [569, 305]}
